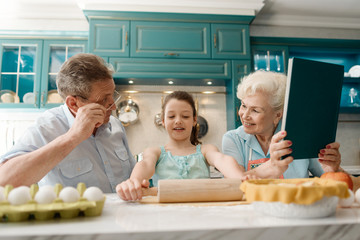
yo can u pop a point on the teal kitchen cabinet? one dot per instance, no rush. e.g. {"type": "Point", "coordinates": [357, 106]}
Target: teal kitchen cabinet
{"type": "Point", "coordinates": [109, 38]}
{"type": "Point", "coordinates": [240, 68]}
{"type": "Point", "coordinates": [170, 39]}
{"type": "Point", "coordinates": [56, 52]}
{"type": "Point", "coordinates": [20, 73]}
{"type": "Point", "coordinates": [270, 58]}
{"type": "Point", "coordinates": [230, 41]}
{"type": "Point", "coordinates": [28, 71]}
{"type": "Point", "coordinates": [179, 71]}
{"type": "Point", "coordinates": [268, 52]}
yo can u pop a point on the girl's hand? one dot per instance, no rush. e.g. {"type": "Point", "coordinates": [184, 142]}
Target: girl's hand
{"type": "Point", "coordinates": [330, 157]}
{"type": "Point", "coordinates": [249, 177]}
{"type": "Point", "coordinates": [278, 149]}
{"type": "Point", "coordinates": [130, 189]}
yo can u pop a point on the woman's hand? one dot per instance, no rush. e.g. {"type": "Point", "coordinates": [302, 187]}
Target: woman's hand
{"type": "Point", "coordinates": [330, 157]}
{"type": "Point", "coordinates": [249, 177]}
{"type": "Point", "coordinates": [278, 149]}
{"type": "Point", "coordinates": [130, 189]}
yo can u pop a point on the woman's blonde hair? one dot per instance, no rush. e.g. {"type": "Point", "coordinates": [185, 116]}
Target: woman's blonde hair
{"type": "Point", "coordinates": [271, 83]}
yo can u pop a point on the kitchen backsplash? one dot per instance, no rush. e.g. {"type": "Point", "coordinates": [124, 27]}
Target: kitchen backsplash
{"type": "Point", "coordinates": [145, 133]}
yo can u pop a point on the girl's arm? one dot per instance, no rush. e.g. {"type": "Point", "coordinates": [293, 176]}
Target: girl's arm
{"type": "Point", "coordinates": [142, 172]}
{"type": "Point", "coordinates": [227, 165]}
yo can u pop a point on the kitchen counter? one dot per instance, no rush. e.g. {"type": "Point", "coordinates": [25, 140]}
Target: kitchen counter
{"type": "Point", "coordinates": [132, 220]}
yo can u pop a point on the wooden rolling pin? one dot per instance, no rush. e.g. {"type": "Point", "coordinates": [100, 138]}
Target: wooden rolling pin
{"type": "Point", "coordinates": [196, 190]}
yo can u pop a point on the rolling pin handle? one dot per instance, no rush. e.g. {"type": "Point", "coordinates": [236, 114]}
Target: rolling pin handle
{"type": "Point", "coordinates": [150, 191]}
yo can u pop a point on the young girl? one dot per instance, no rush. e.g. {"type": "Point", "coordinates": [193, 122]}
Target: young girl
{"type": "Point", "coordinates": [183, 157]}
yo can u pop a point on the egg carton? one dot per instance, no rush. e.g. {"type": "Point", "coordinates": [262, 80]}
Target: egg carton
{"type": "Point", "coordinates": [58, 208]}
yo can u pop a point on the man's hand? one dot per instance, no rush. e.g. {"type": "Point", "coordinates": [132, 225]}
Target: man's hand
{"type": "Point", "coordinates": [88, 117]}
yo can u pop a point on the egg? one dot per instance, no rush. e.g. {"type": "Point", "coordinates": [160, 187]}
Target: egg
{"type": "Point", "coordinates": [19, 195]}
{"type": "Point", "coordinates": [357, 196]}
{"type": "Point", "coordinates": [93, 194]}
{"type": "Point", "coordinates": [347, 202]}
{"type": "Point", "coordinates": [46, 194]}
{"type": "Point", "coordinates": [69, 194]}
{"type": "Point", "coordinates": [2, 194]}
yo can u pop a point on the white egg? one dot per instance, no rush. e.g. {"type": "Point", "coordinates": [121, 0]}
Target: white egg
{"type": "Point", "coordinates": [347, 202]}
{"type": "Point", "coordinates": [19, 195]}
{"type": "Point", "coordinates": [69, 194]}
{"type": "Point", "coordinates": [357, 196]}
{"type": "Point", "coordinates": [46, 194]}
{"type": "Point", "coordinates": [93, 194]}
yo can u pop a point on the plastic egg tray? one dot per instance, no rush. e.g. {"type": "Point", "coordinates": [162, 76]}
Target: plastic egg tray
{"type": "Point", "coordinates": [57, 209]}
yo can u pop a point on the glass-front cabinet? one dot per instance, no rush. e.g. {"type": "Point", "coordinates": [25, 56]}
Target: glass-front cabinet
{"type": "Point", "coordinates": [269, 55]}
{"type": "Point", "coordinates": [270, 58]}
{"type": "Point", "coordinates": [55, 54]}
{"type": "Point", "coordinates": [20, 72]}
{"type": "Point", "coordinates": [28, 70]}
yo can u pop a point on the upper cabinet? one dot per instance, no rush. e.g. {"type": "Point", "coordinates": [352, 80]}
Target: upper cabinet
{"type": "Point", "coordinates": [270, 58]}
{"type": "Point", "coordinates": [109, 38]}
{"type": "Point", "coordinates": [56, 52]}
{"type": "Point", "coordinates": [20, 71]}
{"type": "Point", "coordinates": [170, 39]}
{"type": "Point", "coordinates": [28, 70]}
{"type": "Point", "coordinates": [230, 41]}
{"type": "Point", "coordinates": [169, 36]}
{"type": "Point", "coordinates": [272, 54]}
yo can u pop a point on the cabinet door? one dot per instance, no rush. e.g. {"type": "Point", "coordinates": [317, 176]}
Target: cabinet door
{"type": "Point", "coordinates": [230, 41]}
{"type": "Point", "coordinates": [20, 66]}
{"type": "Point", "coordinates": [240, 68]}
{"type": "Point", "coordinates": [270, 58]}
{"type": "Point", "coordinates": [56, 52]}
{"type": "Point", "coordinates": [170, 39]}
{"type": "Point", "coordinates": [157, 71]}
{"type": "Point", "coordinates": [109, 38]}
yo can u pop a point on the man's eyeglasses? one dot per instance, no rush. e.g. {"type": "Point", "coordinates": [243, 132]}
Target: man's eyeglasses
{"type": "Point", "coordinates": [116, 98]}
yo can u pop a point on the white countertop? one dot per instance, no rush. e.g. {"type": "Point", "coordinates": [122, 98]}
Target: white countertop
{"type": "Point", "coordinates": [131, 220]}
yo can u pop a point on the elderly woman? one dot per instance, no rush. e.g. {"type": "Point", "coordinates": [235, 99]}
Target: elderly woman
{"type": "Point", "coordinates": [259, 139]}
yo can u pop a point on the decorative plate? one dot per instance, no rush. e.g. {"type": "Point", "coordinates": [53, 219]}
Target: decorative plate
{"type": "Point", "coordinates": [355, 71]}
{"type": "Point", "coordinates": [29, 98]}
{"type": "Point", "coordinates": [8, 96]}
{"type": "Point", "coordinates": [54, 97]}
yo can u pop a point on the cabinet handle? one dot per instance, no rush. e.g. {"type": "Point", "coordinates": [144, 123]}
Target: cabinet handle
{"type": "Point", "coordinates": [42, 99]}
{"type": "Point", "coordinates": [172, 54]}
{"type": "Point", "coordinates": [127, 38]}
{"type": "Point", "coordinates": [215, 41]}
{"type": "Point", "coordinates": [36, 93]}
